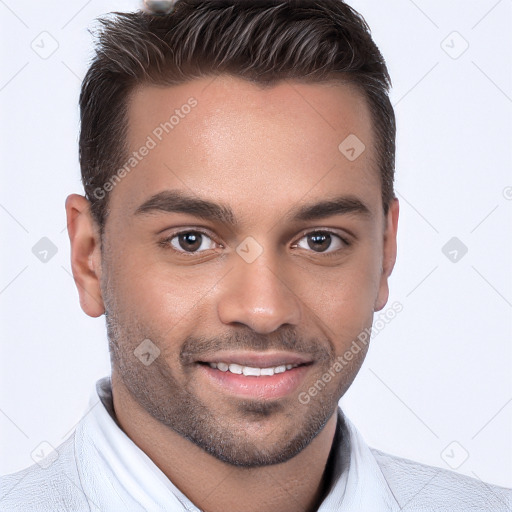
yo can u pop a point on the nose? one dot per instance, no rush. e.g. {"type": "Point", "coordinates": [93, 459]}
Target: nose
{"type": "Point", "coordinates": [259, 296]}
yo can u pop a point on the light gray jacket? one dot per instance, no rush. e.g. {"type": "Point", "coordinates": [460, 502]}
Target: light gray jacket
{"type": "Point", "coordinates": [99, 468]}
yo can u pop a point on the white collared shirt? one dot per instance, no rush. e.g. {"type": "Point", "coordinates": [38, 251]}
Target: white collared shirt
{"type": "Point", "coordinates": [140, 485]}
{"type": "Point", "coordinates": [99, 468]}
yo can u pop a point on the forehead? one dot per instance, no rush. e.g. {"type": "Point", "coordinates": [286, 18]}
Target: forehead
{"type": "Point", "coordinates": [228, 139]}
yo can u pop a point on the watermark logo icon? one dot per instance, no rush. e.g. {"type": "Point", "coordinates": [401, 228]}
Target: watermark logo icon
{"type": "Point", "coordinates": [147, 352]}
{"type": "Point", "coordinates": [44, 455]}
{"type": "Point", "coordinates": [44, 45]}
{"type": "Point", "coordinates": [249, 249]}
{"type": "Point", "coordinates": [454, 249]}
{"type": "Point", "coordinates": [44, 250]}
{"type": "Point", "coordinates": [454, 45]}
{"type": "Point", "coordinates": [455, 455]}
{"type": "Point", "coordinates": [352, 147]}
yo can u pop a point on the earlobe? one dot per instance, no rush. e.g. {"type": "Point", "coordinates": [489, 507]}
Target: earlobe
{"type": "Point", "coordinates": [85, 254]}
{"type": "Point", "coordinates": [389, 254]}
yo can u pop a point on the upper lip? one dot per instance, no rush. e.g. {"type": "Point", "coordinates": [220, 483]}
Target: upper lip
{"type": "Point", "coordinates": [257, 359]}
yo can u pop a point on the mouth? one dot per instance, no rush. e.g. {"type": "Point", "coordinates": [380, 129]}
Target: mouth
{"type": "Point", "coordinates": [255, 375]}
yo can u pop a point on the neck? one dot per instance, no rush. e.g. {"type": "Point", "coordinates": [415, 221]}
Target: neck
{"type": "Point", "coordinates": [215, 486]}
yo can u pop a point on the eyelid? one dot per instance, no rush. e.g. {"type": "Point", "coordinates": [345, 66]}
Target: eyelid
{"type": "Point", "coordinates": [344, 238]}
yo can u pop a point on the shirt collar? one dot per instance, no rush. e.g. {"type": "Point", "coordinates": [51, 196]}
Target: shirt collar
{"type": "Point", "coordinates": [358, 482]}
{"type": "Point", "coordinates": [116, 472]}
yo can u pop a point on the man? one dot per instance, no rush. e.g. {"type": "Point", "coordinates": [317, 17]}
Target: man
{"type": "Point", "coordinates": [238, 231]}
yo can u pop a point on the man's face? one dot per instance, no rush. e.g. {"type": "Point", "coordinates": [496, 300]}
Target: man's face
{"type": "Point", "coordinates": [258, 288]}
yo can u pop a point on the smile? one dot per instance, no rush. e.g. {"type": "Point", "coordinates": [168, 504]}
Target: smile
{"type": "Point", "coordinates": [250, 371]}
{"type": "Point", "coordinates": [266, 375]}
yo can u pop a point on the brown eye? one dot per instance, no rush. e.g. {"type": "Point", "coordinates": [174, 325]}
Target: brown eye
{"type": "Point", "coordinates": [190, 242]}
{"type": "Point", "coordinates": [321, 241]}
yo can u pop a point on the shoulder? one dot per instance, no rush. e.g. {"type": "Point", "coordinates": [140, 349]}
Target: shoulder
{"type": "Point", "coordinates": [422, 487]}
{"type": "Point", "coordinates": [50, 485]}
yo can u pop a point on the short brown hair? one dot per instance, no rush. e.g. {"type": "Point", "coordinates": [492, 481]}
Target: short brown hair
{"type": "Point", "coordinates": [263, 41]}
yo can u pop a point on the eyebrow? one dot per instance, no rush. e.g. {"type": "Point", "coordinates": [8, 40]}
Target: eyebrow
{"type": "Point", "coordinates": [175, 201]}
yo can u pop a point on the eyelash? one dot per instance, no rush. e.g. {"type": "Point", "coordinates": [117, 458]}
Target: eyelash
{"type": "Point", "coordinates": [166, 243]}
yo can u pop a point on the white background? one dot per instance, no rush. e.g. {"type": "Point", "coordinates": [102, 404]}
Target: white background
{"type": "Point", "coordinates": [439, 373]}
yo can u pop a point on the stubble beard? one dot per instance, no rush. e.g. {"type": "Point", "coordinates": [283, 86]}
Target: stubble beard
{"type": "Point", "coordinates": [157, 391]}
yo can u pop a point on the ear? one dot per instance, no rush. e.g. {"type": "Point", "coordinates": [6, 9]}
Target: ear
{"type": "Point", "coordinates": [388, 255]}
{"type": "Point", "coordinates": [85, 254]}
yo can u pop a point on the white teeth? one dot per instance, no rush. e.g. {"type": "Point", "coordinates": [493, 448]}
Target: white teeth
{"type": "Point", "coordinates": [251, 371]}
{"type": "Point", "coordinates": [235, 368]}
{"type": "Point", "coordinates": [247, 370]}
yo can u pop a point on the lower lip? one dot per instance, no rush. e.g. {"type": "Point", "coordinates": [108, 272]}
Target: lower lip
{"type": "Point", "coordinates": [262, 387]}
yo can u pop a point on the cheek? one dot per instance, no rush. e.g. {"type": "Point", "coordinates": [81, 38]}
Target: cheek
{"type": "Point", "coordinates": [165, 298]}
{"type": "Point", "coordinates": [345, 296]}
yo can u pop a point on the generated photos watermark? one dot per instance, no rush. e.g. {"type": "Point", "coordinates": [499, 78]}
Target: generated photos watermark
{"type": "Point", "coordinates": [356, 346]}
{"type": "Point", "coordinates": [152, 141]}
